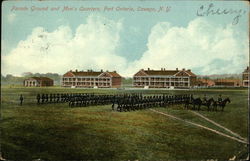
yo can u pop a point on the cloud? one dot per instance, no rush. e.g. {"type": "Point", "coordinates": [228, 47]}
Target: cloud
{"type": "Point", "coordinates": [11, 17]}
{"type": "Point", "coordinates": [207, 47]}
{"type": "Point", "coordinates": [202, 46]}
{"type": "Point", "coordinates": [93, 46]}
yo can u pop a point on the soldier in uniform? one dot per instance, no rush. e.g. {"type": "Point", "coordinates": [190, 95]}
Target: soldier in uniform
{"type": "Point", "coordinates": [50, 97]}
{"type": "Point", "coordinates": [205, 99]}
{"type": "Point", "coordinates": [21, 100]}
{"type": "Point", "coordinates": [219, 99]}
{"type": "Point", "coordinates": [57, 98]}
{"type": "Point", "coordinates": [43, 97]}
{"type": "Point", "coordinates": [47, 97]}
{"type": "Point", "coordinates": [38, 98]}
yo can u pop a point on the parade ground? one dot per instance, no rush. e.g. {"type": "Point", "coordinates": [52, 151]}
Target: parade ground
{"type": "Point", "coordinates": [59, 132]}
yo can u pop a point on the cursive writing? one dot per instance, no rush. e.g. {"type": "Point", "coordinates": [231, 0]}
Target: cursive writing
{"type": "Point", "coordinates": [211, 10]}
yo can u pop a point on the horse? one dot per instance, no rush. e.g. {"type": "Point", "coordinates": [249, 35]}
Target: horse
{"type": "Point", "coordinates": [194, 102]}
{"type": "Point", "coordinates": [221, 104]}
{"type": "Point", "coordinates": [208, 103]}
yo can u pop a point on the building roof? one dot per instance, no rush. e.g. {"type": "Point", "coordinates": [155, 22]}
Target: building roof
{"type": "Point", "coordinates": [167, 72]}
{"type": "Point", "coordinates": [40, 78]}
{"type": "Point", "coordinates": [161, 72]}
{"type": "Point", "coordinates": [114, 74]}
{"type": "Point", "coordinates": [87, 73]}
{"type": "Point", "coordinates": [91, 73]}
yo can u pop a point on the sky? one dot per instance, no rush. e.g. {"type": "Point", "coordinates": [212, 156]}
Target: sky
{"type": "Point", "coordinates": [184, 34]}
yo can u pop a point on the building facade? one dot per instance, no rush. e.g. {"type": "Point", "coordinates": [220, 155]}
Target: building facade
{"type": "Point", "coordinates": [38, 82]}
{"type": "Point", "coordinates": [91, 79]}
{"type": "Point", "coordinates": [227, 83]}
{"type": "Point", "coordinates": [204, 82]}
{"type": "Point", "coordinates": [164, 78]}
{"type": "Point", "coordinates": [245, 77]}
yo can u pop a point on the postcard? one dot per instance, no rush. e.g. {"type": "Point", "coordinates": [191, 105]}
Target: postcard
{"type": "Point", "coordinates": [125, 80]}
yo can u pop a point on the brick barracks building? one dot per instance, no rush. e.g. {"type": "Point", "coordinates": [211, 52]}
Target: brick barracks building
{"type": "Point", "coordinates": [164, 78]}
{"type": "Point", "coordinates": [245, 77]}
{"type": "Point", "coordinates": [91, 79]}
{"type": "Point", "coordinates": [38, 82]}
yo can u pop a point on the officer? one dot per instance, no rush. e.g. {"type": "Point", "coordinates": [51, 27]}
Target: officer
{"type": "Point", "coordinates": [21, 100]}
{"type": "Point", "coordinates": [205, 99]}
{"type": "Point", "coordinates": [219, 99]}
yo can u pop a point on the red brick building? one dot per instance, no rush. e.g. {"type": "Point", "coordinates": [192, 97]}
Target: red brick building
{"type": "Point", "coordinates": [91, 79]}
{"type": "Point", "coordinates": [38, 82]}
{"type": "Point", "coordinates": [164, 78]}
{"type": "Point", "coordinates": [227, 83]}
{"type": "Point", "coordinates": [245, 77]}
{"type": "Point", "coordinates": [204, 82]}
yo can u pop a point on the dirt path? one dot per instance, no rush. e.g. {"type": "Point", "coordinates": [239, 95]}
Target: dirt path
{"type": "Point", "coordinates": [233, 133]}
{"type": "Point", "coordinates": [201, 126]}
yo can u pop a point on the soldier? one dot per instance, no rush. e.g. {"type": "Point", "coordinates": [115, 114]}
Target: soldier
{"type": "Point", "coordinates": [47, 97]}
{"type": "Point", "coordinates": [21, 100]}
{"type": "Point", "coordinates": [38, 98]}
{"type": "Point", "coordinates": [43, 97]}
{"type": "Point", "coordinates": [54, 98]}
{"type": "Point", "coordinates": [50, 97]}
{"type": "Point", "coordinates": [205, 99]}
{"type": "Point", "coordinates": [219, 99]}
{"type": "Point", "coordinates": [57, 98]}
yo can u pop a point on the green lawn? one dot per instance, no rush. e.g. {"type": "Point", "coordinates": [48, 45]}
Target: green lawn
{"type": "Point", "coordinates": [57, 132]}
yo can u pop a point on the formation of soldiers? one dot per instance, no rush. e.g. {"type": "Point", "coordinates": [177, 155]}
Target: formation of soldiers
{"type": "Point", "coordinates": [52, 98]}
{"type": "Point", "coordinates": [120, 102]}
{"type": "Point", "coordinates": [138, 101]}
{"type": "Point", "coordinates": [128, 102]}
{"type": "Point", "coordinates": [74, 99]}
{"type": "Point", "coordinates": [83, 100]}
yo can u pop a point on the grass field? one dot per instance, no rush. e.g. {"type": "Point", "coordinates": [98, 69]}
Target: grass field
{"type": "Point", "coordinates": [57, 132]}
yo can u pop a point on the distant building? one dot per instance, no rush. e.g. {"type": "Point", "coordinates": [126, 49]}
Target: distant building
{"type": "Point", "coordinates": [204, 83]}
{"type": "Point", "coordinates": [38, 82]}
{"type": "Point", "coordinates": [164, 78]}
{"type": "Point", "coordinates": [91, 79]}
{"type": "Point", "coordinates": [227, 83]}
{"type": "Point", "coordinates": [245, 77]}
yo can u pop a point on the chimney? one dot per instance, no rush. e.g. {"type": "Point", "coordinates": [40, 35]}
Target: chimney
{"type": "Point", "coordinates": [183, 69]}
{"type": "Point", "coordinates": [148, 69]}
{"type": "Point", "coordinates": [177, 69]}
{"type": "Point", "coordinates": [70, 70]}
{"type": "Point", "coordinates": [164, 69]}
{"type": "Point", "coordinates": [114, 71]}
{"type": "Point", "coordinates": [189, 70]}
{"type": "Point", "coordinates": [101, 70]}
{"type": "Point", "coordinates": [76, 70]}
{"type": "Point", "coordinates": [161, 69]}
